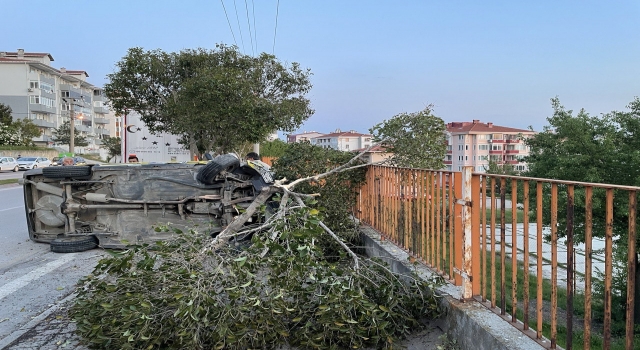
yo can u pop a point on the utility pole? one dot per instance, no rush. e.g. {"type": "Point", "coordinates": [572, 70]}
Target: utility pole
{"type": "Point", "coordinates": [72, 124]}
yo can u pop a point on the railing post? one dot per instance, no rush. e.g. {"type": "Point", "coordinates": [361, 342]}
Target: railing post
{"type": "Point", "coordinates": [467, 253]}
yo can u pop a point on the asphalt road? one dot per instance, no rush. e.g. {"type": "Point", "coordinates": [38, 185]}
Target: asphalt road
{"type": "Point", "coordinates": [6, 174]}
{"type": "Point", "coordinates": [32, 278]}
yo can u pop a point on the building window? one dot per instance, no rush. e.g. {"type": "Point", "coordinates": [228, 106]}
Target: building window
{"type": "Point", "coordinates": [496, 147]}
{"type": "Point", "coordinates": [46, 87]}
{"type": "Point", "coordinates": [460, 137]}
{"type": "Point", "coordinates": [34, 99]}
{"type": "Point", "coordinates": [64, 93]}
{"type": "Point", "coordinates": [483, 147]}
{"type": "Point", "coordinates": [466, 147]}
{"type": "Point", "coordinates": [34, 85]}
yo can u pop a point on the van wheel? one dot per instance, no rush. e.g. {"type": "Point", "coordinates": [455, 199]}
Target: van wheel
{"type": "Point", "coordinates": [223, 162]}
{"type": "Point", "coordinates": [73, 244]}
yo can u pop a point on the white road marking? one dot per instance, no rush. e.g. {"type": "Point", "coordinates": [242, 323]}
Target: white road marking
{"type": "Point", "coordinates": [18, 283]}
{"type": "Point", "coordinates": [12, 208]}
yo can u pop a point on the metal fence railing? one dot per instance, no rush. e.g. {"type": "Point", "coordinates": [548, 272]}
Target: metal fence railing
{"type": "Point", "coordinates": [555, 258]}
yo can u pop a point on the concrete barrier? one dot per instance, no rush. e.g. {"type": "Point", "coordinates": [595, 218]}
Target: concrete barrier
{"type": "Point", "coordinates": [469, 322]}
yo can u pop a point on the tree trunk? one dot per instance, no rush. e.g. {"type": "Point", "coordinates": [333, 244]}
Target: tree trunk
{"type": "Point", "coordinates": [636, 300]}
{"type": "Point", "coordinates": [193, 148]}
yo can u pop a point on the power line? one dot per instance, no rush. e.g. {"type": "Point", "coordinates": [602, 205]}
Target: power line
{"type": "Point", "coordinates": [255, 33]}
{"type": "Point", "coordinates": [238, 20]}
{"type": "Point", "coordinates": [246, 8]}
{"type": "Point", "coordinates": [275, 31]}
{"type": "Point", "coordinates": [230, 28]}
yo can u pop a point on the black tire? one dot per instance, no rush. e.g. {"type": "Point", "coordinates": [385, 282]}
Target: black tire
{"type": "Point", "coordinates": [223, 162]}
{"type": "Point", "coordinates": [73, 244]}
{"type": "Point", "coordinates": [61, 172]}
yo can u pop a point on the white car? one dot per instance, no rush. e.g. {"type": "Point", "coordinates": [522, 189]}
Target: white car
{"type": "Point", "coordinates": [8, 163]}
{"type": "Point", "coordinates": [28, 163]}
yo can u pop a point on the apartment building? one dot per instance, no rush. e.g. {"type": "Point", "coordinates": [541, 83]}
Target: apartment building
{"type": "Point", "coordinates": [35, 90]}
{"type": "Point", "coordinates": [475, 144]}
{"type": "Point", "coordinates": [305, 136]}
{"type": "Point", "coordinates": [343, 140]}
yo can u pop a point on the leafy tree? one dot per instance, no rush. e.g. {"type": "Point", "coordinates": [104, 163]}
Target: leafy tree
{"type": "Point", "coordinates": [215, 99]}
{"type": "Point", "coordinates": [62, 135]}
{"type": "Point", "coordinates": [275, 148]}
{"type": "Point", "coordinates": [417, 140]}
{"type": "Point", "coordinates": [113, 146]}
{"type": "Point", "coordinates": [26, 130]}
{"type": "Point", "coordinates": [501, 169]}
{"type": "Point", "coordinates": [19, 133]}
{"type": "Point", "coordinates": [5, 114]}
{"type": "Point", "coordinates": [337, 192]}
{"type": "Point", "coordinates": [591, 149]}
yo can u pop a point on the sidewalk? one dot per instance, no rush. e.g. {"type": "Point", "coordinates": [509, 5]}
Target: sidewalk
{"type": "Point", "coordinates": [51, 330]}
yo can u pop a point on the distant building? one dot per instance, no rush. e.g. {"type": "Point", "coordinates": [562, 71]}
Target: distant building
{"type": "Point", "coordinates": [343, 140]}
{"type": "Point", "coordinates": [375, 154]}
{"type": "Point", "coordinates": [35, 90]}
{"type": "Point", "coordinates": [475, 144]}
{"type": "Point", "coordinates": [305, 136]}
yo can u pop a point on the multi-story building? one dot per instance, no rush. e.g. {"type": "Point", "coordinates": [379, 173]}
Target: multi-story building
{"type": "Point", "coordinates": [343, 140]}
{"type": "Point", "coordinates": [305, 136]}
{"type": "Point", "coordinates": [37, 91]}
{"type": "Point", "coordinates": [476, 144]}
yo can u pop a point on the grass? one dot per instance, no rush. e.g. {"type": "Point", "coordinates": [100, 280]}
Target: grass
{"type": "Point", "coordinates": [8, 181]}
{"type": "Point", "coordinates": [508, 213]}
{"type": "Point", "coordinates": [578, 303]}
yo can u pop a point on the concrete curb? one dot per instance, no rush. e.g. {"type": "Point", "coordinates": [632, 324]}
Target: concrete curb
{"type": "Point", "coordinates": [470, 323]}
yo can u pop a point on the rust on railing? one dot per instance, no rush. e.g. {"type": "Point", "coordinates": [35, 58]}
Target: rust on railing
{"type": "Point", "coordinates": [456, 223]}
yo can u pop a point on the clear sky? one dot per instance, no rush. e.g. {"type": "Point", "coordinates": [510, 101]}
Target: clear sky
{"type": "Point", "coordinates": [496, 61]}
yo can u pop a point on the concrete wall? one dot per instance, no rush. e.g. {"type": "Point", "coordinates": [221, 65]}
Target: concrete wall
{"type": "Point", "coordinates": [50, 153]}
{"type": "Point", "coordinates": [469, 322]}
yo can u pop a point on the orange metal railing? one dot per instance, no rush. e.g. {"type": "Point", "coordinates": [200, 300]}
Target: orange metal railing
{"type": "Point", "coordinates": [456, 222]}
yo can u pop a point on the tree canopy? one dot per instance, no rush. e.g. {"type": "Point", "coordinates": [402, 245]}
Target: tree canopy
{"type": "Point", "coordinates": [62, 135]}
{"type": "Point", "coordinates": [113, 146]}
{"type": "Point", "coordinates": [599, 149]}
{"type": "Point", "coordinates": [417, 140]}
{"type": "Point", "coordinates": [215, 99]}
{"type": "Point", "coordinates": [16, 133]}
{"type": "Point", "coordinates": [5, 114]}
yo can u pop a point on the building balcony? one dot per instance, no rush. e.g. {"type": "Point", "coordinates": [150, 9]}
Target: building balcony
{"type": "Point", "coordinates": [43, 138]}
{"type": "Point", "coordinates": [449, 151]}
{"type": "Point", "coordinates": [101, 120]}
{"type": "Point", "coordinates": [514, 141]}
{"type": "Point", "coordinates": [102, 131]}
{"type": "Point", "coordinates": [512, 151]}
{"type": "Point", "coordinates": [97, 142]}
{"type": "Point", "coordinates": [512, 161]}
{"type": "Point", "coordinates": [43, 123]}
{"type": "Point", "coordinates": [447, 162]}
{"type": "Point", "coordinates": [498, 151]}
{"type": "Point", "coordinates": [101, 110]}
{"type": "Point", "coordinates": [83, 128]}
{"type": "Point", "coordinates": [36, 107]}
{"type": "Point", "coordinates": [497, 141]}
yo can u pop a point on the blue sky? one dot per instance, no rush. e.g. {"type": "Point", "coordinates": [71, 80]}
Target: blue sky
{"type": "Point", "coordinates": [496, 61]}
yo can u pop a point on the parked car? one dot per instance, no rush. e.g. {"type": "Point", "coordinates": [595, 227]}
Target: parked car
{"type": "Point", "coordinates": [28, 163]}
{"type": "Point", "coordinates": [76, 208]}
{"type": "Point", "coordinates": [79, 161]}
{"type": "Point", "coordinates": [56, 161]}
{"type": "Point", "coordinates": [9, 163]}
